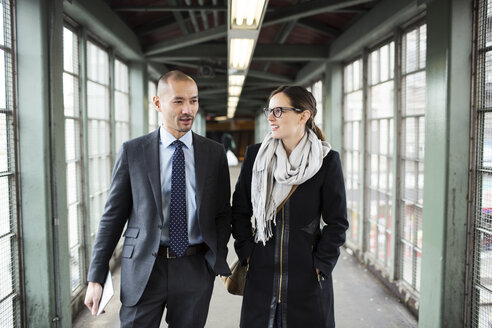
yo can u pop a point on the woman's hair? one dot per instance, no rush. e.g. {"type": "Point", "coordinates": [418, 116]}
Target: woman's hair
{"type": "Point", "coordinates": [301, 98]}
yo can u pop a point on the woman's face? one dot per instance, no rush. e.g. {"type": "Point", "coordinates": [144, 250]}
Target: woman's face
{"type": "Point", "coordinates": [290, 124]}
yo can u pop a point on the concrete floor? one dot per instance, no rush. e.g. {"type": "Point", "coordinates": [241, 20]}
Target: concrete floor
{"type": "Point", "coordinates": [360, 299]}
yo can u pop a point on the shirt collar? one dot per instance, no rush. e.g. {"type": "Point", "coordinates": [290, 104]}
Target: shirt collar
{"type": "Point", "coordinates": [167, 138]}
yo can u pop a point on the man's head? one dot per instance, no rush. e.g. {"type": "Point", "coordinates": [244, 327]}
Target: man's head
{"type": "Point", "coordinates": [177, 101]}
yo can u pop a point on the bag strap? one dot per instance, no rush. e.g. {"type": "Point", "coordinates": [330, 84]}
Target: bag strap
{"type": "Point", "coordinates": [294, 187]}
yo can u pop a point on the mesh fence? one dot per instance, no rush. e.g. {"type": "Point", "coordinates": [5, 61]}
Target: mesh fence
{"type": "Point", "coordinates": [73, 156]}
{"type": "Point", "coordinates": [412, 154]}
{"type": "Point", "coordinates": [9, 263]}
{"type": "Point", "coordinates": [482, 252]}
{"type": "Point", "coordinates": [380, 118]}
{"type": "Point", "coordinates": [352, 151]}
{"type": "Point", "coordinates": [99, 131]}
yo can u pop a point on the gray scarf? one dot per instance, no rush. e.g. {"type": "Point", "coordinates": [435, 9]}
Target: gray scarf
{"type": "Point", "coordinates": [274, 174]}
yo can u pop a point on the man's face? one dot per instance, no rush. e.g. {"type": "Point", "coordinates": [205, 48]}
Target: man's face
{"type": "Point", "coordinates": [178, 104]}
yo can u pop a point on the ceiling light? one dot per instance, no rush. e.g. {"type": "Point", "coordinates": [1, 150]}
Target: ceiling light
{"type": "Point", "coordinates": [237, 80]}
{"type": "Point", "coordinates": [240, 53]}
{"type": "Point", "coordinates": [234, 91]}
{"type": "Point", "coordinates": [230, 112]}
{"type": "Point", "coordinates": [221, 118]}
{"type": "Point", "coordinates": [246, 14]}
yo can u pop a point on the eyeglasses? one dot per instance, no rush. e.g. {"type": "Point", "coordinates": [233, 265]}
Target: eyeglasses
{"type": "Point", "coordinates": [278, 111]}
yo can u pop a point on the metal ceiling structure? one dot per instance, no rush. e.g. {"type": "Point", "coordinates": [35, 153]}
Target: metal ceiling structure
{"type": "Point", "coordinates": [191, 35]}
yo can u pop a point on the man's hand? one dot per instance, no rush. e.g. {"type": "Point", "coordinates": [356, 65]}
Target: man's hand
{"type": "Point", "coordinates": [93, 297]}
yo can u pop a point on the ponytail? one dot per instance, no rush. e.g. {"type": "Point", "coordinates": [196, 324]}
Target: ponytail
{"type": "Point", "coordinates": [311, 125]}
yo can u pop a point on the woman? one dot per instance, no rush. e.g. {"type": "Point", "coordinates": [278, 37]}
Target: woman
{"type": "Point", "coordinates": [290, 257]}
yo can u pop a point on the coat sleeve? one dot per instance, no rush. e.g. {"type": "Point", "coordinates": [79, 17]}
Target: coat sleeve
{"type": "Point", "coordinates": [116, 213]}
{"type": "Point", "coordinates": [242, 210]}
{"type": "Point", "coordinates": [223, 217]}
{"type": "Point", "coordinates": [334, 211]}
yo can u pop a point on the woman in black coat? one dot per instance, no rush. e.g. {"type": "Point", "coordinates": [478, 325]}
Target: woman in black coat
{"type": "Point", "coordinates": [290, 255]}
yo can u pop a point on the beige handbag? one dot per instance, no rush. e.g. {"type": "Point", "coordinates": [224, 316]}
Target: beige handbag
{"type": "Point", "coordinates": [236, 281]}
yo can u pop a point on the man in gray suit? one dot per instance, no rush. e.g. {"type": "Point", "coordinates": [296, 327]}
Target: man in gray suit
{"type": "Point", "coordinates": [172, 188]}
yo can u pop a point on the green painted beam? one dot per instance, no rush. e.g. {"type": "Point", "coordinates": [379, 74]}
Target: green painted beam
{"type": "Point", "coordinates": [100, 20]}
{"type": "Point", "coordinates": [42, 163]}
{"type": "Point", "coordinates": [447, 147]}
{"type": "Point", "coordinates": [308, 9]}
{"type": "Point", "coordinates": [374, 26]}
{"type": "Point", "coordinates": [187, 40]}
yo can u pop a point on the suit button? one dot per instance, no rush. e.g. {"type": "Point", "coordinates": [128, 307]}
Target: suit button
{"type": "Point", "coordinates": [154, 254]}
{"type": "Point", "coordinates": [159, 226]}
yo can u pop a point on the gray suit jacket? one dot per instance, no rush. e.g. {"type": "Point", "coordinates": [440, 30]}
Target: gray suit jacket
{"type": "Point", "coordinates": [135, 197]}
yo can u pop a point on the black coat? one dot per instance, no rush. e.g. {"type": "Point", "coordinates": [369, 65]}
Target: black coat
{"type": "Point", "coordinates": [298, 246]}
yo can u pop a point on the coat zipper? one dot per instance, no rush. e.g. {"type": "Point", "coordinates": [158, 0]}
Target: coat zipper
{"type": "Point", "coordinates": [281, 260]}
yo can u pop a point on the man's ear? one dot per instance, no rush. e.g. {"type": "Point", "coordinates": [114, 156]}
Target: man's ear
{"type": "Point", "coordinates": [157, 103]}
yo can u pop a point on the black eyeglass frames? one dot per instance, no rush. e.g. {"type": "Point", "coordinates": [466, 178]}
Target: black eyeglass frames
{"type": "Point", "coordinates": [278, 111]}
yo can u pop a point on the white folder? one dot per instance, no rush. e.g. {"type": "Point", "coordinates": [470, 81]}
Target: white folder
{"type": "Point", "coordinates": [108, 292]}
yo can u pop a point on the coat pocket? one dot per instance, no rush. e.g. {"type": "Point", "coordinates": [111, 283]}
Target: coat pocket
{"type": "Point", "coordinates": [131, 232]}
{"type": "Point", "coordinates": [127, 251]}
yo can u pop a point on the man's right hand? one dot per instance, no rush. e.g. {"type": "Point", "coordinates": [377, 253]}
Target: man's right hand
{"type": "Point", "coordinates": [93, 296]}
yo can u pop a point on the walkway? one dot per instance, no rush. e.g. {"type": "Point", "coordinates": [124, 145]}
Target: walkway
{"type": "Point", "coordinates": [360, 300]}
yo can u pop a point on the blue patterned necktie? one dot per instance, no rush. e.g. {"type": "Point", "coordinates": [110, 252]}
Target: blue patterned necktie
{"type": "Point", "coordinates": [178, 231]}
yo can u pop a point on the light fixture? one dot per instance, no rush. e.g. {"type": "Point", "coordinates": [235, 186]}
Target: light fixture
{"type": "Point", "coordinates": [231, 111]}
{"type": "Point", "coordinates": [246, 14]}
{"type": "Point", "coordinates": [220, 118]}
{"type": "Point", "coordinates": [240, 52]}
{"type": "Point", "coordinates": [234, 91]}
{"type": "Point", "coordinates": [237, 80]}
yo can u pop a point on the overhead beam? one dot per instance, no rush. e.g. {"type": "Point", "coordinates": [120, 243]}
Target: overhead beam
{"type": "Point", "coordinates": [281, 53]}
{"type": "Point", "coordinates": [188, 40]}
{"type": "Point", "coordinates": [216, 51]}
{"type": "Point", "coordinates": [168, 8]}
{"type": "Point", "coordinates": [319, 27]}
{"type": "Point", "coordinates": [307, 9]}
{"type": "Point", "coordinates": [98, 17]}
{"type": "Point", "coordinates": [192, 16]}
{"type": "Point", "coordinates": [291, 52]}
{"type": "Point", "coordinates": [179, 19]}
{"type": "Point", "coordinates": [269, 76]}
{"type": "Point", "coordinates": [310, 72]}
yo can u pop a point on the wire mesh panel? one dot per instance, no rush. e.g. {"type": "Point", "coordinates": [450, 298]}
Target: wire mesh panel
{"type": "Point", "coordinates": [9, 263]}
{"type": "Point", "coordinates": [153, 114]}
{"type": "Point", "coordinates": [73, 156]}
{"type": "Point", "coordinates": [482, 197]}
{"type": "Point", "coordinates": [412, 154]}
{"type": "Point", "coordinates": [380, 116]}
{"type": "Point", "coordinates": [99, 131]}
{"type": "Point", "coordinates": [351, 152]}
{"type": "Point", "coordinates": [122, 103]}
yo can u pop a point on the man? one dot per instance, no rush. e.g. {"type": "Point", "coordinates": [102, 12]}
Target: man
{"type": "Point", "coordinates": [172, 188]}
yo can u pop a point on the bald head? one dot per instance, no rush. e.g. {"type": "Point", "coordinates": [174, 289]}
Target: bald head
{"type": "Point", "coordinates": [175, 75]}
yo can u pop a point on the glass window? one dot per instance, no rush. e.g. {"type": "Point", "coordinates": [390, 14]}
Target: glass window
{"type": "Point", "coordinates": [9, 250]}
{"type": "Point", "coordinates": [317, 91]}
{"type": "Point", "coordinates": [99, 131]}
{"type": "Point", "coordinates": [351, 151]}
{"type": "Point", "coordinates": [380, 120]}
{"type": "Point", "coordinates": [122, 103]}
{"type": "Point", "coordinates": [153, 114]}
{"type": "Point", "coordinates": [73, 156]}
{"type": "Point", "coordinates": [412, 154]}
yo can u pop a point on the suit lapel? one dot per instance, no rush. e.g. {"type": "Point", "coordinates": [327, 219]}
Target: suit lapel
{"type": "Point", "coordinates": [151, 157]}
{"type": "Point", "coordinates": [200, 152]}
